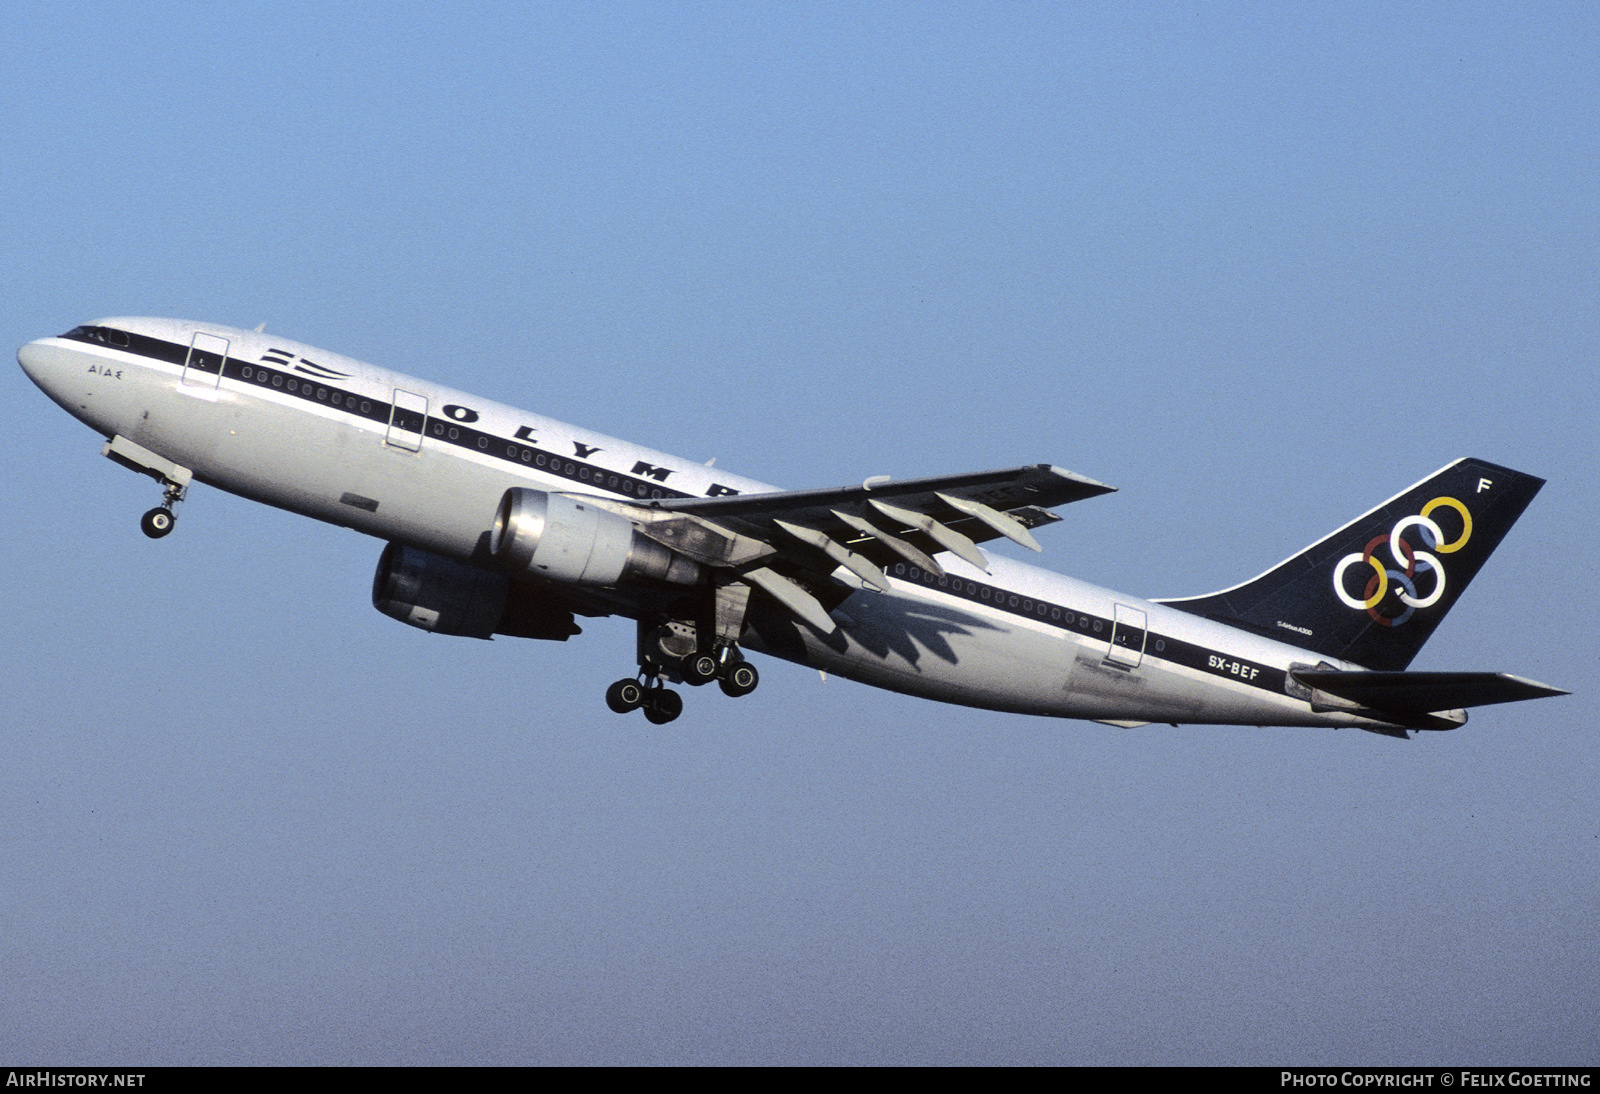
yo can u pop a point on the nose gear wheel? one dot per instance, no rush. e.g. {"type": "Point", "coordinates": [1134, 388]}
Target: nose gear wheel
{"type": "Point", "coordinates": [158, 522]}
{"type": "Point", "coordinates": [161, 520]}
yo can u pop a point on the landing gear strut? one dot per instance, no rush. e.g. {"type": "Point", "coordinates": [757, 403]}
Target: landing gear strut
{"type": "Point", "coordinates": [174, 482]}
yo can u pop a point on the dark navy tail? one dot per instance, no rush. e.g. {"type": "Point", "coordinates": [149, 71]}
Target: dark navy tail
{"type": "Point", "coordinates": [1374, 591]}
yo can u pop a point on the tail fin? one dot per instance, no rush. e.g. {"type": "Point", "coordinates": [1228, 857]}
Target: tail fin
{"type": "Point", "coordinates": [1374, 591]}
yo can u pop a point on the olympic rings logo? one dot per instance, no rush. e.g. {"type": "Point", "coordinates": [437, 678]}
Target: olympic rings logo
{"type": "Point", "coordinates": [1414, 562]}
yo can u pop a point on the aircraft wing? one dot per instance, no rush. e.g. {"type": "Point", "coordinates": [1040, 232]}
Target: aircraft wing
{"type": "Point", "coordinates": [1037, 484]}
{"type": "Point", "coordinates": [877, 517]}
{"type": "Point", "coordinates": [787, 543]}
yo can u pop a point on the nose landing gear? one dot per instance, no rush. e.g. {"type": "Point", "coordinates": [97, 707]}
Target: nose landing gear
{"type": "Point", "coordinates": [158, 522]}
{"type": "Point", "coordinates": [161, 520]}
{"type": "Point", "coordinates": [174, 482]}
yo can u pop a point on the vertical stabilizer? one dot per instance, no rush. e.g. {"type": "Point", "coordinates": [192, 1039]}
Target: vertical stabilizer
{"type": "Point", "coordinates": [1374, 591]}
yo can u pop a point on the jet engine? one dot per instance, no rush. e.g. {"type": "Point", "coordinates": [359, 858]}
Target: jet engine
{"type": "Point", "coordinates": [443, 596]}
{"type": "Point", "coordinates": [564, 539]}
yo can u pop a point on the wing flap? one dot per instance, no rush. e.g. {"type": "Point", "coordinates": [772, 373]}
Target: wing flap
{"type": "Point", "coordinates": [861, 528]}
{"type": "Point", "coordinates": [792, 596]}
{"type": "Point", "coordinates": [977, 507]}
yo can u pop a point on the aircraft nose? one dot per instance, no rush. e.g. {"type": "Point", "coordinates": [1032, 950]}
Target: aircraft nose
{"type": "Point", "coordinates": [36, 360]}
{"type": "Point", "coordinates": [48, 366]}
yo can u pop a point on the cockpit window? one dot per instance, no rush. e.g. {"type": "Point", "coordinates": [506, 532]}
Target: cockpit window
{"type": "Point", "coordinates": [106, 335]}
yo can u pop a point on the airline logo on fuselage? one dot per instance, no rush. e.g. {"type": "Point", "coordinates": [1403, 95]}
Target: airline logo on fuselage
{"type": "Point", "coordinates": [1412, 566]}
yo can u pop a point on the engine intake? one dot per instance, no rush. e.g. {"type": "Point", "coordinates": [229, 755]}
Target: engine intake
{"type": "Point", "coordinates": [563, 539]}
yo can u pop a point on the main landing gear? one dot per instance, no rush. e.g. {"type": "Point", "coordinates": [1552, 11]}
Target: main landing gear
{"type": "Point", "coordinates": [648, 692]}
{"type": "Point", "coordinates": [739, 678]}
{"type": "Point", "coordinates": [727, 667]}
{"type": "Point", "coordinates": [660, 703]}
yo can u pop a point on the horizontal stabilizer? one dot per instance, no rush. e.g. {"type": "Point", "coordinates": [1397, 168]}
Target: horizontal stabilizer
{"type": "Point", "coordinates": [1417, 693]}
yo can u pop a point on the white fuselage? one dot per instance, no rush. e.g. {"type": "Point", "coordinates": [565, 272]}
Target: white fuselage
{"type": "Point", "coordinates": [1018, 638]}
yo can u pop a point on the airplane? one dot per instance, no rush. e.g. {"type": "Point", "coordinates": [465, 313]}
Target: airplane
{"type": "Point", "coordinates": [500, 521]}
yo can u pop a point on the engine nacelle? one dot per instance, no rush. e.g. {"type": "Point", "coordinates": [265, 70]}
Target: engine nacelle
{"type": "Point", "coordinates": [563, 539]}
{"type": "Point", "coordinates": [443, 596]}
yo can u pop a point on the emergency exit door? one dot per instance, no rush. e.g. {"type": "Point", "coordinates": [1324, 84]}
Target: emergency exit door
{"type": "Point", "coordinates": [207, 355]}
{"type": "Point", "coordinates": [1127, 637]}
{"type": "Point", "coordinates": [408, 419]}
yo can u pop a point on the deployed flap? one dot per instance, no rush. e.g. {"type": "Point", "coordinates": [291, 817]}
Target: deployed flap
{"type": "Point", "coordinates": [792, 597]}
{"type": "Point", "coordinates": [1416, 693]}
{"type": "Point", "coordinates": [976, 507]}
{"type": "Point", "coordinates": [860, 528]}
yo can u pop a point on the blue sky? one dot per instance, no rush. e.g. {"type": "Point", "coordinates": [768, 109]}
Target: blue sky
{"type": "Point", "coordinates": [1259, 268]}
